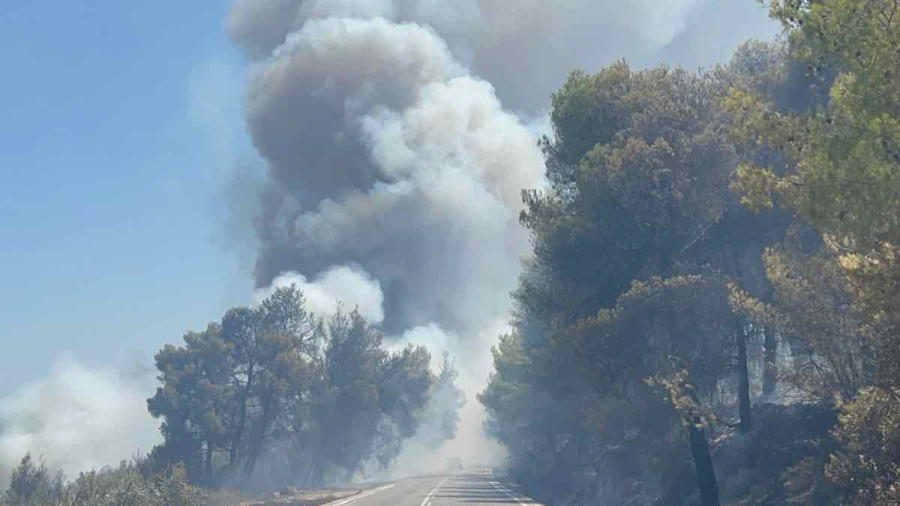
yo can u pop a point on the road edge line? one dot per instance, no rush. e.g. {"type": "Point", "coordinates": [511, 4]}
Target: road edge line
{"type": "Point", "coordinates": [353, 499]}
{"type": "Point", "coordinates": [430, 494]}
{"type": "Point", "coordinates": [496, 484]}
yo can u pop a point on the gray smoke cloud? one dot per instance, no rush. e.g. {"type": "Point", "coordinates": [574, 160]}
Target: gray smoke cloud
{"type": "Point", "coordinates": [385, 153]}
{"type": "Point", "coordinates": [398, 135]}
{"type": "Point", "coordinates": [525, 48]}
{"type": "Point", "coordinates": [387, 129]}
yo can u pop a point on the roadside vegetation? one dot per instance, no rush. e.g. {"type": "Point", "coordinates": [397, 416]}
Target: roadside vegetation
{"type": "Point", "coordinates": [270, 398]}
{"type": "Point", "coordinates": [710, 313]}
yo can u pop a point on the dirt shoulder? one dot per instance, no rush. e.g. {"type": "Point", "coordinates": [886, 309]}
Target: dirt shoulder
{"type": "Point", "coordinates": [311, 498]}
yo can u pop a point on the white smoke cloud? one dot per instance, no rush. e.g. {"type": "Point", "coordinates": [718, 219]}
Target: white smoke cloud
{"type": "Point", "coordinates": [472, 353]}
{"type": "Point", "coordinates": [347, 284]}
{"type": "Point", "coordinates": [387, 154]}
{"type": "Point", "coordinates": [78, 418]}
{"type": "Point", "coordinates": [389, 131]}
{"type": "Point", "coordinates": [471, 357]}
{"type": "Point", "coordinates": [525, 48]}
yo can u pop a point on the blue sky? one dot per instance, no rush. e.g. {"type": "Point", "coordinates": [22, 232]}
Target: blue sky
{"type": "Point", "coordinates": [120, 121]}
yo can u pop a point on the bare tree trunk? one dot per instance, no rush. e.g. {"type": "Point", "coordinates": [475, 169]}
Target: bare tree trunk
{"type": "Point", "coordinates": [743, 374]}
{"type": "Point", "coordinates": [746, 411]}
{"type": "Point", "coordinates": [706, 475]}
{"type": "Point", "coordinates": [770, 356]}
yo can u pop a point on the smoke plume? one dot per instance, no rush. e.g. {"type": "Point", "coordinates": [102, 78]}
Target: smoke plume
{"type": "Point", "coordinates": [77, 418]}
{"type": "Point", "coordinates": [526, 48]}
{"type": "Point", "coordinates": [418, 455]}
{"type": "Point", "coordinates": [398, 135]}
{"type": "Point", "coordinates": [387, 129]}
{"type": "Point", "coordinates": [345, 284]}
{"type": "Point", "coordinates": [385, 153]}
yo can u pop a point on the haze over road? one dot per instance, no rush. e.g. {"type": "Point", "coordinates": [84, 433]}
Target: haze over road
{"type": "Point", "coordinates": [475, 487]}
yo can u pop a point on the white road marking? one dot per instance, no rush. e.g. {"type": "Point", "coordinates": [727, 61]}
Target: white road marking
{"type": "Point", "coordinates": [357, 497]}
{"type": "Point", "coordinates": [506, 491]}
{"type": "Point", "coordinates": [428, 497]}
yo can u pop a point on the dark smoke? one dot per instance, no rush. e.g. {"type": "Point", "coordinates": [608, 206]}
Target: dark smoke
{"type": "Point", "coordinates": [385, 153]}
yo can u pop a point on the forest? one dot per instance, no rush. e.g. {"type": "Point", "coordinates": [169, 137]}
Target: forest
{"type": "Point", "coordinates": [708, 316]}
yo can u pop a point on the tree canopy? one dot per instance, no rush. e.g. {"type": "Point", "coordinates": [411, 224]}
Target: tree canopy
{"type": "Point", "coordinates": [712, 244]}
{"type": "Point", "coordinates": [274, 378]}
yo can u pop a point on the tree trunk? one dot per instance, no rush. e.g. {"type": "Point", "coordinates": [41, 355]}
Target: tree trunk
{"type": "Point", "coordinates": [743, 375]}
{"type": "Point", "coordinates": [316, 467]}
{"type": "Point", "coordinates": [256, 444]}
{"type": "Point", "coordinates": [209, 459]}
{"type": "Point", "coordinates": [770, 347]}
{"type": "Point", "coordinates": [318, 476]}
{"type": "Point", "coordinates": [234, 452]}
{"type": "Point", "coordinates": [706, 475]}
{"type": "Point", "coordinates": [357, 460]}
{"type": "Point", "coordinates": [746, 411]}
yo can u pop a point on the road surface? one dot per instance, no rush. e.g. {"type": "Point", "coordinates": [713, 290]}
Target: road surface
{"type": "Point", "coordinates": [473, 488]}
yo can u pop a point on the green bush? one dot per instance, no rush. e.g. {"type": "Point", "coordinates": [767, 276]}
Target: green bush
{"type": "Point", "coordinates": [126, 486]}
{"type": "Point", "coordinates": [32, 485]}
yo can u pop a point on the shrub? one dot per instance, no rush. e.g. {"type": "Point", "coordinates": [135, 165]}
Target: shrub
{"type": "Point", "coordinates": [127, 485]}
{"type": "Point", "coordinates": [31, 485]}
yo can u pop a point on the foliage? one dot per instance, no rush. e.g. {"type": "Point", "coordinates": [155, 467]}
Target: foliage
{"type": "Point", "coordinates": [646, 268]}
{"type": "Point", "coordinates": [226, 392]}
{"type": "Point", "coordinates": [375, 398]}
{"type": "Point", "coordinates": [31, 484]}
{"type": "Point", "coordinates": [843, 175]}
{"type": "Point", "coordinates": [846, 154]}
{"type": "Point", "coordinates": [868, 462]}
{"type": "Point", "coordinates": [818, 317]}
{"type": "Point", "coordinates": [617, 292]}
{"type": "Point", "coordinates": [126, 485]}
{"type": "Point", "coordinates": [639, 170]}
{"type": "Point", "coordinates": [268, 382]}
{"type": "Point", "coordinates": [441, 413]}
{"type": "Point", "coordinates": [272, 380]}
{"type": "Point", "coordinates": [448, 396]}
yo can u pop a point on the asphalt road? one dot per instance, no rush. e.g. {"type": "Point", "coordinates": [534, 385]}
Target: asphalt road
{"type": "Point", "coordinates": [469, 488]}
